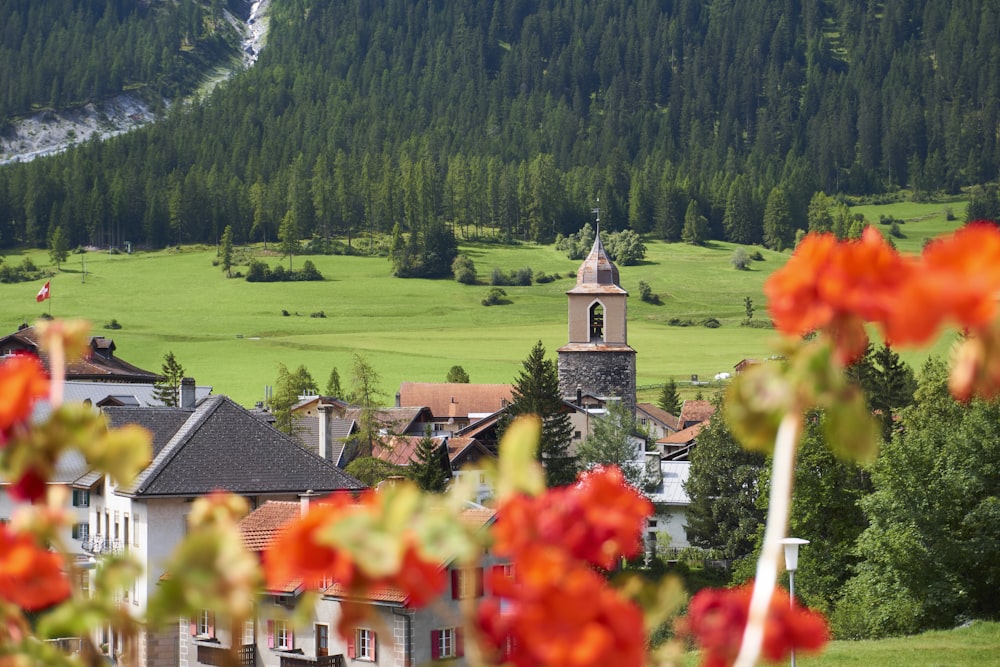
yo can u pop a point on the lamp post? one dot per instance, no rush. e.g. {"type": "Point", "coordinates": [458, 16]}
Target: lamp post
{"type": "Point", "coordinates": [792, 545]}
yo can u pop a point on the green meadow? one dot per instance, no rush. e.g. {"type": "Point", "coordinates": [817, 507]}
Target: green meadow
{"type": "Point", "coordinates": [232, 334]}
{"type": "Point", "coordinates": [976, 645]}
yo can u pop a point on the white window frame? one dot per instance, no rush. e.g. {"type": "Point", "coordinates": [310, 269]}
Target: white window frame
{"type": "Point", "coordinates": [447, 643]}
{"type": "Point", "coordinates": [366, 645]}
{"type": "Point", "coordinates": [204, 623]}
{"type": "Point", "coordinates": [282, 636]}
{"type": "Point", "coordinates": [81, 498]}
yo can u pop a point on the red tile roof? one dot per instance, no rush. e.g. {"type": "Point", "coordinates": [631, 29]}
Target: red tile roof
{"type": "Point", "coordinates": [260, 527]}
{"type": "Point", "coordinates": [696, 411]}
{"type": "Point", "coordinates": [455, 399]}
{"type": "Point", "coordinates": [683, 437]}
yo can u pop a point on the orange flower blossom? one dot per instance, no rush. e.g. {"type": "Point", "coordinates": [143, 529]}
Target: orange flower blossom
{"type": "Point", "coordinates": [559, 611]}
{"type": "Point", "coordinates": [30, 577]}
{"type": "Point", "coordinates": [304, 550]}
{"type": "Point", "coordinates": [598, 519]}
{"type": "Point", "coordinates": [717, 617]}
{"type": "Point", "coordinates": [837, 286]}
{"type": "Point", "coordinates": [22, 382]}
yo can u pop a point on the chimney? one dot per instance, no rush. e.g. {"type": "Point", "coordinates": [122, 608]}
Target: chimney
{"type": "Point", "coordinates": [304, 501]}
{"type": "Point", "coordinates": [398, 399]}
{"type": "Point", "coordinates": [323, 414]}
{"type": "Point", "coordinates": [187, 392]}
{"type": "Point", "coordinates": [579, 395]}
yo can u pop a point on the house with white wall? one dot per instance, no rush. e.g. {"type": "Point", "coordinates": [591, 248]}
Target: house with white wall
{"type": "Point", "coordinates": [395, 635]}
{"type": "Point", "coordinates": [217, 445]}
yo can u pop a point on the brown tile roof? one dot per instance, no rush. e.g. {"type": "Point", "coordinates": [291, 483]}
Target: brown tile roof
{"type": "Point", "coordinates": [684, 437]}
{"type": "Point", "coordinates": [100, 364]}
{"type": "Point", "coordinates": [260, 527]}
{"type": "Point", "coordinates": [455, 399]}
{"type": "Point", "coordinates": [399, 449]}
{"type": "Point", "coordinates": [394, 420]}
{"type": "Point", "coordinates": [696, 411]}
{"type": "Point", "coordinates": [659, 414]}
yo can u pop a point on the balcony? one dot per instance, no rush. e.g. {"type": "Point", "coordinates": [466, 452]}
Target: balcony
{"type": "Point", "coordinates": [98, 544]}
{"type": "Point", "coordinates": [305, 661]}
{"type": "Point", "coordinates": [216, 655]}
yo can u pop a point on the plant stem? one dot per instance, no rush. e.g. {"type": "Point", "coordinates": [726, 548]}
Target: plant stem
{"type": "Point", "coordinates": [783, 467]}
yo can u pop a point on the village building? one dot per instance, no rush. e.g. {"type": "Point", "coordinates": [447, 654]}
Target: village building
{"type": "Point", "coordinates": [597, 360]}
{"type": "Point", "coordinates": [397, 635]}
{"type": "Point", "coordinates": [216, 445]}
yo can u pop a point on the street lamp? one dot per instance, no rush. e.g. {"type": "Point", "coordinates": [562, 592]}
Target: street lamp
{"type": "Point", "coordinates": [792, 545]}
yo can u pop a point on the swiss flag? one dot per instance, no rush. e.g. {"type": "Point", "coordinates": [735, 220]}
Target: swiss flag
{"type": "Point", "coordinates": [43, 293]}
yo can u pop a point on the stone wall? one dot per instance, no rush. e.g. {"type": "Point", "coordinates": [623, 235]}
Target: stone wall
{"type": "Point", "coordinates": [600, 372]}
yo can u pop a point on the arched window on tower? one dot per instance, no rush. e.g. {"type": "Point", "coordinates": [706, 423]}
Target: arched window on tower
{"type": "Point", "coordinates": [597, 322]}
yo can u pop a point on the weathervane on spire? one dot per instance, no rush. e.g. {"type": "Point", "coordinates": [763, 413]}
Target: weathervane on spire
{"type": "Point", "coordinates": [597, 211]}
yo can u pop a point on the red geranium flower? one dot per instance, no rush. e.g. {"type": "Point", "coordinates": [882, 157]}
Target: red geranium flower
{"type": "Point", "coordinates": [598, 519]}
{"type": "Point", "coordinates": [22, 382]}
{"type": "Point", "coordinates": [717, 618]}
{"type": "Point", "coordinates": [30, 577]}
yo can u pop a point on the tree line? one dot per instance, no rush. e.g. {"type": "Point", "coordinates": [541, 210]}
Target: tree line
{"type": "Point", "coordinates": [509, 119]}
{"type": "Point", "coordinates": [68, 52]}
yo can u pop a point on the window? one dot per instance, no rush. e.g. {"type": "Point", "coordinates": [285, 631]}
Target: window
{"type": "Point", "coordinates": [81, 498]}
{"type": "Point", "coordinates": [597, 322]}
{"type": "Point", "coordinates": [322, 640]}
{"type": "Point", "coordinates": [362, 645]}
{"type": "Point", "coordinates": [577, 435]}
{"type": "Point", "coordinates": [81, 531]}
{"type": "Point", "coordinates": [280, 636]}
{"type": "Point", "coordinates": [466, 582]}
{"type": "Point", "coordinates": [135, 529]}
{"type": "Point", "coordinates": [447, 643]}
{"type": "Point", "coordinates": [203, 624]}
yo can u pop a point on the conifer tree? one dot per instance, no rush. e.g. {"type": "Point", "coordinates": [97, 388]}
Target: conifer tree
{"type": "Point", "coordinates": [333, 384]}
{"type": "Point", "coordinates": [58, 247]}
{"type": "Point", "coordinates": [669, 400]}
{"type": "Point", "coordinates": [287, 389]}
{"type": "Point", "coordinates": [425, 466]}
{"type": "Point", "coordinates": [536, 391]}
{"type": "Point", "coordinates": [226, 251]}
{"type": "Point", "coordinates": [168, 387]}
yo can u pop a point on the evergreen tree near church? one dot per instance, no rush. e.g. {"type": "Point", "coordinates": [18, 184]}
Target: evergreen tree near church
{"type": "Point", "coordinates": [425, 466]}
{"type": "Point", "coordinates": [168, 387]}
{"type": "Point", "coordinates": [669, 400]}
{"type": "Point", "coordinates": [536, 391]}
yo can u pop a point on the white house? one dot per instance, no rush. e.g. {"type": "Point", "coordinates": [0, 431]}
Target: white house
{"type": "Point", "coordinates": [670, 501]}
{"type": "Point", "coordinates": [217, 445]}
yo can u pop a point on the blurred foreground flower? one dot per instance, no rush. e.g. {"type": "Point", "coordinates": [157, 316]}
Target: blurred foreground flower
{"type": "Point", "coordinates": [31, 577]}
{"type": "Point", "coordinates": [716, 619]}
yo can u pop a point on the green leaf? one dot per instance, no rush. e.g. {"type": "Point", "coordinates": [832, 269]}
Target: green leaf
{"type": "Point", "coordinates": [519, 470]}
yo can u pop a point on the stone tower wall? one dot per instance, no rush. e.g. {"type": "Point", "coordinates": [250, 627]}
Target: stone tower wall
{"type": "Point", "coordinates": [600, 372]}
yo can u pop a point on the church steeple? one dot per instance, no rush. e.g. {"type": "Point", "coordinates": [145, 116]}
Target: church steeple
{"type": "Point", "coordinates": [597, 357]}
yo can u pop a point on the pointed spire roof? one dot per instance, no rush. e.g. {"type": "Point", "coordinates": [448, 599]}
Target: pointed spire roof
{"type": "Point", "coordinates": [597, 273]}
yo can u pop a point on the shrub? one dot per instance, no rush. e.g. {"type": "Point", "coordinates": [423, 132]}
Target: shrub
{"type": "Point", "coordinates": [522, 277]}
{"type": "Point", "coordinates": [285, 313]}
{"type": "Point", "coordinates": [258, 272]}
{"type": "Point", "coordinates": [646, 293]}
{"type": "Point", "coordinates": [678, 322]}
{"type": "Point", "coordinates": [320, 314]}
{"type": "Point", "coordinates": [757, 256]}
{"type": "Point", "coordinates": [711, 323]}
{"type": "Point", "coordinates": [308, 272]}
{"type": "Point", "coordinates": [464, 270]}
{"type": "Point", "coordinates": [541, 278]}
{"type": "Point", "coordinates": [740, 260]}
{"type": "Point", "coordinates": [494, 297]}
{"type": "Point", "coordinates": [113, 324]}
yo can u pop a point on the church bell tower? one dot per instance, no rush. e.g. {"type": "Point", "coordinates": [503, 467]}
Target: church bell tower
{"type": "Point", "coordinates": [597, 359]}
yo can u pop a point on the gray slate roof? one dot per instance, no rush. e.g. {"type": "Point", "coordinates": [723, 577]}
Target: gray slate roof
{"type": "Point", "coordinates": [221, 446]}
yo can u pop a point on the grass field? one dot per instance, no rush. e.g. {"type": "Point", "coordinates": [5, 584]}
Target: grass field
{"type": "Point", "coordinates": [977, 645]}
{"type": "Point", "coordinates": [231, 334]}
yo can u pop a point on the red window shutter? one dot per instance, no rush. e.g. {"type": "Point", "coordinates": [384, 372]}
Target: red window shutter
{"type": "Point", "coordinates": [435, 644]}
{"type": "Point", "coordinates": [352, 645]}
{"type": "Point", "coordinates": [291, 638]}
{"type": "Point", "coordinates": [374, 644]}
{"type": "Point", "coordinates": [459, 642]}
{"type": "Point", "coordinates": [194, 627]}
{"type": "Point", "coordinates": [211, 625]}
{"type": "Point", "coordinates": [479, 582]}
{"type": "Point", "coordinates": [456, 582]}
{"type": "Point", "coordinates": [270, 634]}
